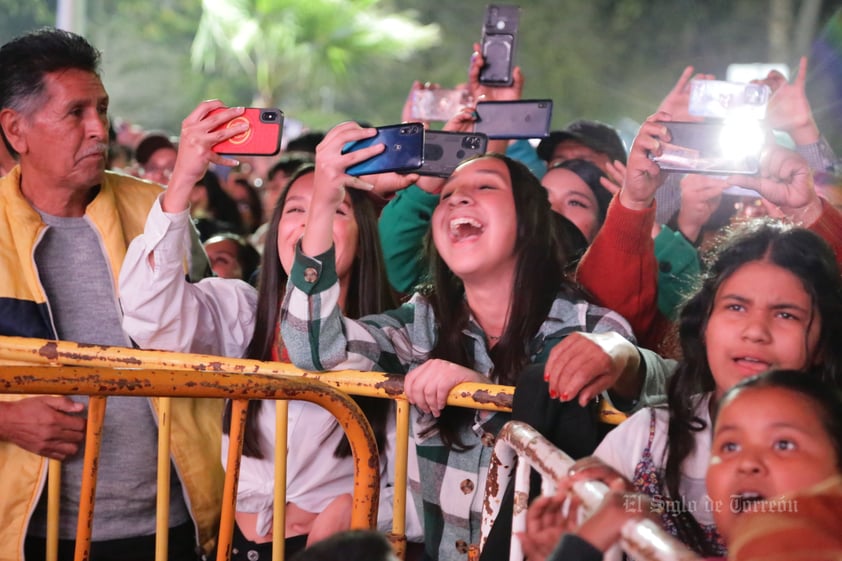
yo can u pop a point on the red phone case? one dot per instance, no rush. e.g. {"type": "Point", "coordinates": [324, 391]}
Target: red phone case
{"type": "Point", "coordinates": [263, 138]}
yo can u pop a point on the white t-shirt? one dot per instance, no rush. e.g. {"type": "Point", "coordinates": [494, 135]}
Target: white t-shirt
{"type": "Point", "coordinates": [624, 446]}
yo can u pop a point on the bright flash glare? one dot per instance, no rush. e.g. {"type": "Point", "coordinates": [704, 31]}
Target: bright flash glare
{"type": "Point", "coordinates": [741, 138]}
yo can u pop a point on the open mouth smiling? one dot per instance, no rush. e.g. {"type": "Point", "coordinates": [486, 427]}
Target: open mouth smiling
{"type": "Point", "coordinates": [465, 228]}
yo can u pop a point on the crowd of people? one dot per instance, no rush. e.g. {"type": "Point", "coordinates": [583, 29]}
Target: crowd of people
{"type": "Point", "coordinates": [572, 269]}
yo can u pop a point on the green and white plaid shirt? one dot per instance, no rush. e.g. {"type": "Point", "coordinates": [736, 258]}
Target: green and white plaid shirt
{"type": "Point", "coordinates": [447, 485]}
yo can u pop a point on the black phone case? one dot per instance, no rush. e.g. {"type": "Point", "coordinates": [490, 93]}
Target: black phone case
{"type": "Point", "coordinates": [696, 148]}
{"type": "Point", "coordinates": [528, 118]}
{"type": "Point", "coordinates": [445, 150]}
{"type": "Point", "coordinates": [404, 150]}
{"type": "Point", "coordinates": [499, 39]}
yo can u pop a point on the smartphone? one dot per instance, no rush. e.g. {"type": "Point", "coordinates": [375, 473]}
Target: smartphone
{"type": "Point", "coordinates": [499, 37]}
{"type": "Point", "coordinates": [720, 100]}
{"type": "Point", "coordinates": [726, 148]}
{"type": "Point", "coordinates": [525, 118]}
{"type": "Point", "coordinates": [439, 104]}
{"type": "Point", "coordinates": [444, 151]}
{"type": "Point", "coordinates": [404, 150]}
{"type": "Point", "coordinates": [263, 138]}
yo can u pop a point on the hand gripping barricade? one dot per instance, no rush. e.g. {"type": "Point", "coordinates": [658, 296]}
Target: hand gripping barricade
{"type": "Point", "coordinates": [73, 368]}
{"type": "Point", "coordinates": [163, 376]}
{"type": "Point", "coordinates": [520, 444]}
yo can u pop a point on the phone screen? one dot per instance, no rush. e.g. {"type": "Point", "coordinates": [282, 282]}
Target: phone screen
{"type": "Point", "coordinates": [404, 150]}
{"type": "Point", "coordinates": [715, 148]}
{"type": "Point", "coordinates": [529, 118]}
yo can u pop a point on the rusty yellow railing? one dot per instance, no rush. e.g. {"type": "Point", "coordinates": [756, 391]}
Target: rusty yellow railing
{"type": "Point", "coordinates": [644, 539]}
{"type": "Point", "coordinates": [99, 381]}
{"type": "Point", "coordinates": [191, 375]}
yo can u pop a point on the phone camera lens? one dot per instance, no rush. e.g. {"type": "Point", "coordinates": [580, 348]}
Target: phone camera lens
{"type": "Point", "coordinates": [268, 116]}
{"type": "Point", "coordinates": [404, 130]}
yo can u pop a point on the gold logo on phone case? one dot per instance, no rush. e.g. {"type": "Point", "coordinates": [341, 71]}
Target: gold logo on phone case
{"type": "Point", "coordinates": [242, 137]}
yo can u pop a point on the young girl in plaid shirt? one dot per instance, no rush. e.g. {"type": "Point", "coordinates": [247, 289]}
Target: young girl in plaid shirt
{"type": "Point", "coordinates": [497, 302]}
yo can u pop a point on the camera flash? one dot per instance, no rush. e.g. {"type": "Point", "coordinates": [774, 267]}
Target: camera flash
{"type": "Point", "coordinates": [741, 137]}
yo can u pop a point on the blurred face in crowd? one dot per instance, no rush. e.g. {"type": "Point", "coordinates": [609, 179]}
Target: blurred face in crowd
{"type": "Point", "coordinates": [160, 165]}
{"type": "Point", "coordinates": [572, 198]}
{"type": "Point", "coordinates": [572, 150]}
{"type": "Point", "coordinates": [222, 253]}
{"type": "Point", "coordinates": [240, 194]}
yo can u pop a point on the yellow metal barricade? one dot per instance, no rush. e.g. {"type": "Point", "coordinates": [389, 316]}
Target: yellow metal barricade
{"type": "Point", "coordinates": [192, 375]}
{"type": "Point", "coordinates": [99, 381]}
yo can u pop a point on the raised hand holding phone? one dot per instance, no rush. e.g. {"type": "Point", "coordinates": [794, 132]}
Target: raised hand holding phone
{"type": "Point", "coordinates": [200, 132]}
{"type": "Point", "coordinates": [643, 176]}
{"type": "Point", "coordinates": [486, 92]}
{"type": "Point", "coordinates": [330, 180]}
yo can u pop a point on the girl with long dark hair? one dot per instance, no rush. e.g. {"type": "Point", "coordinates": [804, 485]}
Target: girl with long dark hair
{"type": "Point", "coordinates": [497, 302]}
{"type": "Point", "coordinates": [227, 317]}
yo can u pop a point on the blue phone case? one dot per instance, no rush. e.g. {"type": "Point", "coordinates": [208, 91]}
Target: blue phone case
{"type": "Point", "coordinates": [404, 150]}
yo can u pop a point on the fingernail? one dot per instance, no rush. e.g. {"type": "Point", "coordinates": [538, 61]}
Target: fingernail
{"type": "Point", "coordinates": [546, 377]}
{"type": "Point", "coordinates": [565, 396]}
{"type": "Point", "coordinates": [553, 394]}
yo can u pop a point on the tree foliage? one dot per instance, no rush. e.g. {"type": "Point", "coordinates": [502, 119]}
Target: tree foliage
{"type": "Point", "coordinates": [288, 48]}
{"type": "Point", "coordinates": [322, 61]}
